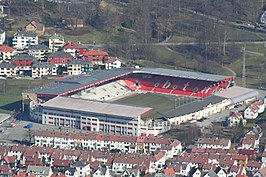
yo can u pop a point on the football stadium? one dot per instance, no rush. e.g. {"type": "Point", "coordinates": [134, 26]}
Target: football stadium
{"type": "Point", "coordinates": [128, 101]}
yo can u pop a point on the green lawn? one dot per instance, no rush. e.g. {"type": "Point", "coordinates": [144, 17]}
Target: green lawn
{"type": "Point", "coordinates": [255, 74]}
{"type": "Point", "coordinates": [10, 92]}
{"type": "Point", "coordinates": [244, 35]}
{"type": "Point", "coordinates": [159, 102]}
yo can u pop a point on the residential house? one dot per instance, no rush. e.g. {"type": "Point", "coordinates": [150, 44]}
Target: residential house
{"type": "Point", "coordinates": [254, 166]}
{"type": "Point", "coordinates": [11, 161]}
{"type": "Point", "coordinates": [195, 172]}
{"type": "Point", "coordinates": [36, 27]}
{"type": "Point", "coordinates": [7, 69]}
{"type": "Point", "coordinates": [250, 142]}
{"type": "Point", "coordinates": [211, 173]}
{"type": "Point", "coordinates": [130, 173]}
{"type": "Point", "coordinates": [111, 63]}
{"type": "Point", "coordinates": [60, 58]}
{"type": "Point", "coordinates": [235, 118]}
{"type": "Point", "coordinates": [56, 42]}
{"type": "Point", "coordinates": [82, 167]}
{"type": "Point", "coordinates": [236, 171]}
{"type": "Point", "coordinates": [102, 171]}
{"type": "Point", "coordinates": [24, 39]}
{"type": "Point", "coordinates": [41, 69]}
{"type": "Point", "coordinates": [97, 57]}
{"type": "Point", "coordinates": [23, 61]}
{"type": "Point", "coordinates": [214, 143]}
{"type": "Point", "coordinates": [70, 172]}
{"type": "Point", "coordinates": [5, 170]}
{"type": "Point", "coordinates": [2, 37]}
{"type": "Point", "coordinates": [39, 51]}
{"type": "Point", "coordinates": [76, 67]}
{"type": "Point", "coordinates": [40, 171]}
{"type": "Point", "coordinates": [76, 49]}
{"type": "Point", "coordinates": [261, 172]}
{"type": "Point", "coordinates": [6, 53]}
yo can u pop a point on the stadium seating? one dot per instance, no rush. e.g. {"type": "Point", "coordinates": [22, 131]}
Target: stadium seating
{"type": "Point", "coordinates": [105, 92]}
{"type": "Point", "coordinates": [174, 85]}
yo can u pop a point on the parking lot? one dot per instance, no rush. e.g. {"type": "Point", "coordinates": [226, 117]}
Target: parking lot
{"type": "Point", "coordinates": [21, 134]}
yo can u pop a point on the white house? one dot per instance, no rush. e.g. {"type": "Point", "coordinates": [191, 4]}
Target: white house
{"type": "Point", "coordinates": [254, 110]}
{"type": "Point", "coordinates": [41, 69]}
{"type": "Point", "coordinates": [82, 167]}
{"type": "Point", "coordinates": [214, 143]}
{"type": "Point", "coordinates": [2, 36]}
{"type": "Point", "coordinates": [40, 171]}
{"type": "Point", "coordinates": [7, 70]}
{"type": "Point", "coordinates": [24, 39]}
{"type": "Point", "coordinates": [56, 42]}
{"type": "Point", "coordinates": [101, 172]}
{"type": "Point", "coordinates": [235, 118]}
{"type": "Point", "coordinates": [111, 63]}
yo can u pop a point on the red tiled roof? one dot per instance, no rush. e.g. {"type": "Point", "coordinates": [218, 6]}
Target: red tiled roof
{"type": "Point", "coordinates": [5, 48]}
{"type": "Point", "coordinates": [96, 53]}
{"type": "Point", "coordinates": [169, 172]}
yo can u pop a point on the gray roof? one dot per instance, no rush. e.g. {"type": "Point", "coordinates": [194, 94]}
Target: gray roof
{"type": "Point", "coordinates": [193, 106]}
{"type": "Point", "coordinates": [87, 106]}
{"type": "Point", "coordinates": [1, 31]}
{"type": "Point", "coordinates": [81, 163]}
{"type": "Point", "coordinates": [38, 169]}
{"type": "Point", "coordinates": [183, 74]}
{"type": "Point", "coordinates": [59, 54]}
{"type": "Point", "coordinates": [24, 33]}
{"type": "Point", "coordinates": [23, 56]}
{"type": "Point", "coordinates": [42, 64]}
{"type": "Point", "coordinates": [7, 65]}
{"type": "Point", "coordinates": [82, 62]}
{"type": "Point", "coordinates": [39, 47]}
{"type": "Point", "coordinates": [72, 83]}
{"type": "Point", "coordinates": [237, 94]}
{"type": "Point", "coordinates": [56, 36]}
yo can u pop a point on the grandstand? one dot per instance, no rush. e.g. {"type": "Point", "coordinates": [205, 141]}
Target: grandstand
{"type": "Point", "coordinates": [175, 85]}
{"type": "Point", "coordinates": [106, 92]}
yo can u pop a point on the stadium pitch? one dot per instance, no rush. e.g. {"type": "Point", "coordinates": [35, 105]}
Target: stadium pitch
{"type": "Point", "coordinates": [159, 102]}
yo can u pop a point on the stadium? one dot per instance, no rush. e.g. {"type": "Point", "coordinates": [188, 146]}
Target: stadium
{"type": "Point", "coordinates": [97, 102]}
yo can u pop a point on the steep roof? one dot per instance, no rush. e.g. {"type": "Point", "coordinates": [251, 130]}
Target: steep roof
{"type": "Point", "coordinates": [60, 54]}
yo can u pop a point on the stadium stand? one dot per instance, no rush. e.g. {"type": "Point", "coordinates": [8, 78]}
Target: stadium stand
{"type": "Point", "coordinates": [176, 85]}
{"type": "Point", "coordinates": [104, 92]}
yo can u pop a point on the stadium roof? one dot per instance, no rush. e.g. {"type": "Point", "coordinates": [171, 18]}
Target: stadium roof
{"type": "Point", "coordinates": [192, 107]}
{"type": "Point", "coordinates": [77, 82]}
{"type": "Point", "coordinates": [237, 94]}
{"type": "Point", "coordinates": [183, 74]}
{"type": "Point", "coordinates": [87, 106]}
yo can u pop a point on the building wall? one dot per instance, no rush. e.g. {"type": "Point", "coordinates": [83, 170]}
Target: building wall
{"type": "Point", "coordinates": [55, 44]}
{"type": "Point", "coordinates": [24, 42]}
{"type": "Point", "coordinates": [2, 38]}
{"type": "Point", "coordinates": [90, 122]}
{"type": "Point", "coordinates": [8, 72]}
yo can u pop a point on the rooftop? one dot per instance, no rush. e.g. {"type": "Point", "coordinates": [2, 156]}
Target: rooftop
{"type": "Point", "coordinates": [193, 106]}
{"type": "Point", "coordinates": [25, 34]}
{"type": "Point", "coordinates": [97, 76]}
{"type": "Point", "coordinates": [95, 107]}
{"type": "Point", "coordinates": [237, 94]}
{"type": "Point", "coordinates": [5, 48]}
{"type": "Point", "coordinates": [57, 36]}
{"type": "Point", "coordinates": [39, 47]}
{"type": "Point", "coordinates": [60, 54]}
{"type": "Point", "coordinates": [23, 56]}
{"type": "Point", "coordinates": [42, 64]}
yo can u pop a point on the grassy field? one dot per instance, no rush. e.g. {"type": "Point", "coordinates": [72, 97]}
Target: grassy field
{"type": "Point", "coordinates": [159, 102]}
{"type": "Point", "coordinates": [10, 92]}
